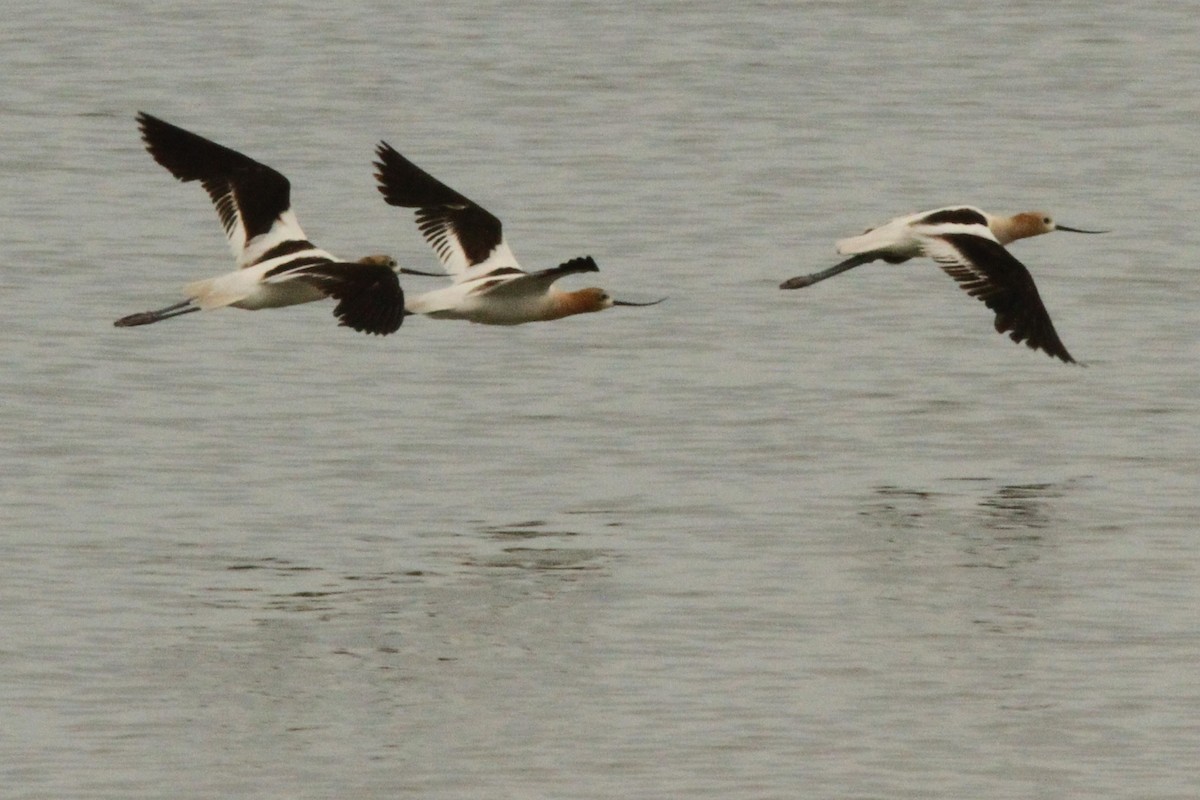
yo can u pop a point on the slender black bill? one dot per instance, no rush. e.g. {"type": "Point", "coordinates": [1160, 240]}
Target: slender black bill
{"type": "Point", "coordinates": [800, 281]}
{"type": "Point", "coordinates": [407, 271]}
{"type": "Point", "coordinates": [146, 317]}
{"type": "Point", "coordinates": [1058, 227]}
{"type": "Point", "coordinates": [637, 305]}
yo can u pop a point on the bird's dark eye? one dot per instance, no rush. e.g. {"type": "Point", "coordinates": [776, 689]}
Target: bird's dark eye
{"type": "Point", "coordinates": [1045, 220]}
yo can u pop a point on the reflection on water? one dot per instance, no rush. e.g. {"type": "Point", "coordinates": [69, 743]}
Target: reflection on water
{"type": "Point", "coordinates": [524, 530]}
{"type": "Point", "coordinates": [546, 558]}
{"type": "Point", "coordinates": [973, 547]}
{"type": "Point", "coordinates": [523, 557]}
{"type": "Point", "coordinates": [1016, 507]}
{"type": "Point", "coordinates": [1019, 507]}
{"type": "Point", "coordinates": [994, 528]}
{"type": "Point", "coordinates": [895, 508]}
{"type": "Point", "coordinates": [279, 584]}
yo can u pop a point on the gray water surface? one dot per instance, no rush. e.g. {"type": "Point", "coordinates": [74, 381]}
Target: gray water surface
{"type": "Point", "coordinates": [844, 542]}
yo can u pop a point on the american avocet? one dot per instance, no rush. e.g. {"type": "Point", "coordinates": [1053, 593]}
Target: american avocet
{"type": "Point", "coordinates": [277, 265]}
{"type": "Point", "coordinates": [969, 245]}
{"type": "Point", "coordinates": [488, 286]}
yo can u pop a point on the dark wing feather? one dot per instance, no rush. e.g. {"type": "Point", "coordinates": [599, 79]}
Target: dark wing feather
{"type": "Point", "coordinates": [456, 227]}
{"type": "Point", "coordinates": [986, 270]}
{"type": "Point", "coordinates": [957, 215]}
{"type": "Point", "coordinates": [532, 282]}
{"type": "Point", "coordinates": [369, 296]}
{"type": "Point", "coordinates": [249, 196]}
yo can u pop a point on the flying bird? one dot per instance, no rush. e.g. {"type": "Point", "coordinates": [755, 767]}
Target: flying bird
{"type": "Point", "coordinates": [968, 244]}
{"type": "Point", "coordinates": [277, 264]}
{"type": "Point", "coordinates": [487, 286]}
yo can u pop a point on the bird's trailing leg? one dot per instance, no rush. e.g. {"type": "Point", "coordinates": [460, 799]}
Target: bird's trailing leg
{"type": "Point", "coordinates": [800, 281]}
{"type": "Point", "coordinates": [146, 317]}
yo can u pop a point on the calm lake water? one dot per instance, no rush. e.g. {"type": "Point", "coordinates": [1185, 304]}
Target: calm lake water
{"type": "Point", "coordinates": [845, 542]}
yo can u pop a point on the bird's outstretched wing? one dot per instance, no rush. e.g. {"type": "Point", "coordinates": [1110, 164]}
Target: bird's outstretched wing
{"type": "Point", "coordinates": [463, 234]}
{"type": "Point", "coordinates": [986, 270]}
{"type": "Point", "coordinates": [252, 200]}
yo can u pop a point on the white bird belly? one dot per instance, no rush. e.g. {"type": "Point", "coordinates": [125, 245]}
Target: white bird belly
{"type": "Point", "coordinates": [245, 289]}
{"type": "Point", "coordinates": [450, 303]}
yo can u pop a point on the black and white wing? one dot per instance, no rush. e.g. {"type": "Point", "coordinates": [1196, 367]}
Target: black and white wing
{"type": "Point", "coordinates": [252, 200]}
{"type": "Point", "coordinates": [986, 270]}
{"type": "Point", "coordinates": [467, 238]}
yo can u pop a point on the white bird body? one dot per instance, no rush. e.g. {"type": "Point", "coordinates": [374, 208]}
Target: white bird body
{"type": "Point", "coordinates": [511, 298]}
{"type": "Point", "coordinates": [968, 244]}
{"type": "Point", "coordinates": [908, 236]}
{"type": "Point", "coordinates": [896, 238]}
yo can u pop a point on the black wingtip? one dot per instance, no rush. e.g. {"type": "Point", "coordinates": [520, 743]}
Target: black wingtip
{"type": "Point", "coordinates": [1036, 335]}
{"type": "Point", "coordinates": [402, 183]}
{"type": "Point", "coordinates": [581, 264]}
{"type": "Point", "coordinates": [147, 125]}
{"type": "Point", "coordinates": [152, 127]}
